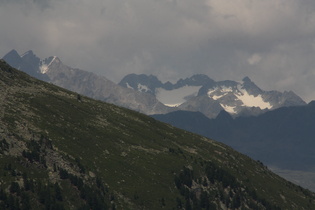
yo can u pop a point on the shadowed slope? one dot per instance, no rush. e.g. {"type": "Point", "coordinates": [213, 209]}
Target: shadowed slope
{"type": "Point", "coordinates": [88, 154]}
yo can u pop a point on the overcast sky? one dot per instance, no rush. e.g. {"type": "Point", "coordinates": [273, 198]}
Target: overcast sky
{"type": "Point", "coordinates": [271, 41]}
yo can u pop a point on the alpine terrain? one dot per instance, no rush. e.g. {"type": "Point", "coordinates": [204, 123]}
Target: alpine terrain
{"type": "Point", "coordinates": [149, 95]}
{"type": "Point", "coordinates": [61, 150]}
{"type": "Point", "coordinates": [52, 70]}
{"type": "Point", "coordinates": [200, 93]}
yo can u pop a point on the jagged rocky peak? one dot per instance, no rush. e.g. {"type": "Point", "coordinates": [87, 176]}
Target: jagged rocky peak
{"type": "Point", "coordinates": [12, 54]}
{"type": "Point", "coordinates": [251, 87]}
{"type": "Point", "coordinates": [246, 79]}
{"type": "Point", "coordinates": [149, 83]}
{"type": "Point", "coordinates": [195, 80]}
{"type": "Point", "coordinates": [13, 58]}
{"type": "Point", "coordinates": [201, 78]}
{"type": "Point", "coordinates": [235, 97]}
{"type": "Point", "coordinates": [27, 62]}
{"type": "Point", "coordinates": [186, 93]}
{"type": "Point", "coordinates": [29, 53]}
{"type": "Point", "coordinates": [141, 82]}
{"type": "Point", "coordinates": [30, 62]}
{"type": "Point", "coordinates": [31, 58]}
{"type": "Point", "coordinates": [48, 60]}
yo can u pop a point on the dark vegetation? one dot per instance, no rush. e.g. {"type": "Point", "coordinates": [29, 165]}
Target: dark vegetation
{"type": "Point", "coordinates": [61, 152]}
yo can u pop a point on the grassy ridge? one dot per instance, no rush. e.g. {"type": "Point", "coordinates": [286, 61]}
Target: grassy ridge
{"type": "Point", "coordinates": [101, 155]}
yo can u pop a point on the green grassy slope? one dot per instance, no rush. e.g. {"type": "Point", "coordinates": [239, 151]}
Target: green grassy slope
{"type": "Point", "coordinates": [86, 154]}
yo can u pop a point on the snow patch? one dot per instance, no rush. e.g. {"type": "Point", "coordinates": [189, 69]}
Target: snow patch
{"type": "Point", "coordinates": [176, 97]}
{"type": "Point", "coordinates": [225, 89]}
{"type": "Point", "coordinates": [172, 105]}
{"type": "Point", "coordinates": [229, 109]}
{"type": "Point", "coordinates": [252, 101]}
{"type": "Point", "coordinates": [143, 88]}
{"type": "Point", "coordinates": [128, 86]}
{"type": "Point", "coordinates": [218, 97]}
{"type": "Point", "coordinates": [211, 91]}
{"type": "Point", "coordinates": [44, 67]}
{"type": "Point", "coordinates": [220, 92]}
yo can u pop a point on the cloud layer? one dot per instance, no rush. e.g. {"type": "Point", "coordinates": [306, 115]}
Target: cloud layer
{"type": "Point", "coordinates": [271, 41]}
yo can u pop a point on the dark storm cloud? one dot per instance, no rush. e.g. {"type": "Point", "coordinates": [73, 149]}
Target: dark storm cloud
{"type": "Point", "coordinates": [271, 41]}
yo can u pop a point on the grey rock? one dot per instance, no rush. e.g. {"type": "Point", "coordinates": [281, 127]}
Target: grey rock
{"type": "Point", "coordinates": [86, 83]}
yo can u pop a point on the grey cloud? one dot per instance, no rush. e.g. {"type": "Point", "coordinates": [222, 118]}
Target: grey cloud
{"type": "Point", "coordinates": [271, 41]}
{"type": "Point", "coordinates": [42, 4]}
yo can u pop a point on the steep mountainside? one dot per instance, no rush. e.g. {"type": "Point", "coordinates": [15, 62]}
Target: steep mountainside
{"type": "Point", "coordinates": [282, 138]}
{"type": "Point", "coordinates": [200, 93]}
{"type": "Point", "coordinates": [53, 70]}
{"type": "Point", "coordinates": [28, 63]}
{"type": "Point", "coordinates": [60, 150]}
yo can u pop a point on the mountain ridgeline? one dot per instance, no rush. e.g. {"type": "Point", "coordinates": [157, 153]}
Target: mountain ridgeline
{"type": "Point", "coordinates": [52, 70]}
{"type": "Point", "coordinates": [61, 150]}
{"type": "Point", "coordinates": [147, 94]}
{"type": "Point", "coordinates": [200, 93]}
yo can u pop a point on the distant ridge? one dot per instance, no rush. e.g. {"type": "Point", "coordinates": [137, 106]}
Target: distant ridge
{"type": "Point", "coordinates": [193, 94]}
{"type": "Point", "coordinates": [282, 138]}
{"type": "Point", "coordinates": [52, 70]}
{"type": "Point", "coordinates": [147, 94]}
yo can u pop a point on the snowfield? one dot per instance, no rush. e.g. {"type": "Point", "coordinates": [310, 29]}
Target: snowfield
{"type": "Point", "coordinates": [241, 95]}
{"type": "Point", "coordinates": [229, 109]}
{"type": "Point", "coordinates": [176, 97]}
{"type": "Point", "coordinates": [252, 101]}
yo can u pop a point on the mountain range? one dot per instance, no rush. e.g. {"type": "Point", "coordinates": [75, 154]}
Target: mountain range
{"type": "Point", "coordinates": [203, 94]}
{"type": "Point", "coordinates": [52, 70]}
{"type": "Point", "coordinates": [62, 150]}
{"type": "Point", "coordinates": [147, 94]}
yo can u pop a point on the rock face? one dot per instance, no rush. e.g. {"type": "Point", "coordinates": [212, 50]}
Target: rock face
{"type": "Point", "coordinates": [86, 83]}
{"type": "Point", "coordinates": [28, 63]}
{"type": "Point", "coordinates": [200, 93]}
{"type": "Point", "coordinates": [147, 94]}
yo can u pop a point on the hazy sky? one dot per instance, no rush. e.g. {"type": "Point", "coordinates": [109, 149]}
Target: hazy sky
{"type": "Point", "coordinates": [271, 41]}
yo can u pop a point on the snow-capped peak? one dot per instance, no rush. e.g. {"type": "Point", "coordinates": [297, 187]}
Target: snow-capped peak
{"type": "Point", "coordinates": [233, 96]}
{"type": "Point", "coordinates": [200, 93]}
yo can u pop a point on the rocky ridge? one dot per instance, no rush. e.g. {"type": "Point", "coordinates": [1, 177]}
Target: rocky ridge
{"type": "Point", "coordinates": [203, 94]}
{"type": "Point", "coordinates": [52, 70]}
